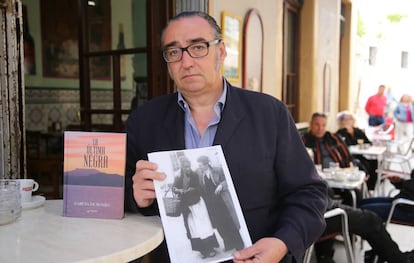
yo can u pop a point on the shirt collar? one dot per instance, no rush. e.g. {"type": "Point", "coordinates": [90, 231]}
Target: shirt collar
{"type": "Point", "coordinates": [219, 104]}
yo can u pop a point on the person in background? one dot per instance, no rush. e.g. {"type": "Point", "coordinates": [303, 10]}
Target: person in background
{"type": "Point", "coordinates": [404, 115]}
{"type": "Point", "coordinates": [370, 227]}
{"type": "Point", "coordinates": [329, 147]}
{"type": "Point", "coordinates": [258, 136]}
{"type": "Point", "coordinates": [375, 107]}
{"type": "Point", "coordinates": [353, 135]}
{"type": "Point", "coordinates": [391, 102]}
{"type": "Point", "coordinates": [382, 205]}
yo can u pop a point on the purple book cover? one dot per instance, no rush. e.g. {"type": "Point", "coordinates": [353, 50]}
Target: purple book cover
{"type": "Point", "coordinates": [93, 176]}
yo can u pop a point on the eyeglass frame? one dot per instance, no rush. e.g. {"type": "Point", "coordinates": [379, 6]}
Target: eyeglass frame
{"type": "Point", "coordinates": [182, 49]}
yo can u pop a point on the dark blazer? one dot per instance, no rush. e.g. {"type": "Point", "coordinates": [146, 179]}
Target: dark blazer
{"type": "Point", "coordinates": [279, 191]}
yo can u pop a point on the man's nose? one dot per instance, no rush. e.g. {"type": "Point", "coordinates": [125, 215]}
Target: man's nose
{"type": "Point", "coordinates": [186, 58]}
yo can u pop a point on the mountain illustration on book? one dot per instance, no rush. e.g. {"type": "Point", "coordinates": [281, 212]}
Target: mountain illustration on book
{"type": "Point", "coordinates": [92, 177]}
{"type": "Point", "coordinates": [93, 174]}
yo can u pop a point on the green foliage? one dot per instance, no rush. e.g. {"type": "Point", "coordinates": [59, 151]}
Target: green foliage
{"type": "Point", "coordinates": [395, 18]}
{"type": "Point", "coordinates": [361, 30]}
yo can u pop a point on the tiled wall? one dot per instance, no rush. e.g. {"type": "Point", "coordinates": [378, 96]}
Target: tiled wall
{"type": "Point", "coordinates": [47, 106]}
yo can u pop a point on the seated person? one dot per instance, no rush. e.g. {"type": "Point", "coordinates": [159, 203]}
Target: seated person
{"type": "Point", "coordinates": [351, 134]}
{"type": "Point", "coordinates": [370, 227]}
{"type": "Point", "coordinates": [327, 147]}
{"type": "Point", "coordinates": [382, 205]}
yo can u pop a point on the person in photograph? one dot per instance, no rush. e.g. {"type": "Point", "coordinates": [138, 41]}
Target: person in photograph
{"type": "Point", "coordinates": [375, 107]}
{"type": "Point", "coordinates": [283, 203]}
{"type": "Point", "coordinates": [193, 208]}
{"type": "Point", "coordinates": [219, 203]}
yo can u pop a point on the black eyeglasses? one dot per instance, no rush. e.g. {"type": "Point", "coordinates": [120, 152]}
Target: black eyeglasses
{"type": "Point", "coordinates": [196, 50]}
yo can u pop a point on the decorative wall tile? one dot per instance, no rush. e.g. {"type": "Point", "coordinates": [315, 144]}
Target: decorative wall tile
{"type": "Point", "coordinates": [44, 107]}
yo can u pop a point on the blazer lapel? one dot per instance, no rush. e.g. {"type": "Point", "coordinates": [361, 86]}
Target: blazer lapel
{"type": "Point", "coordinates": [233, 113]}
{"type": "Point", "coordinates": [174, 125]}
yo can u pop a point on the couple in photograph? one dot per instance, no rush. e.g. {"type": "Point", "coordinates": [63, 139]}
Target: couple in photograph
{"type": "Point", "coordinates": [206, 204]}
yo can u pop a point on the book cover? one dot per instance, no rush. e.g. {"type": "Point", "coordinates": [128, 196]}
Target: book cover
{"type": "Point", "coordinates": [93, 174]}
{"type": "Point", "coordinates": [199, 208]}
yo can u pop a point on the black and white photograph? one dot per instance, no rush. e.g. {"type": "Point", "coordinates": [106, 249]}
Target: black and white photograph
{"type": "Point", "coordinates": [199, 208]}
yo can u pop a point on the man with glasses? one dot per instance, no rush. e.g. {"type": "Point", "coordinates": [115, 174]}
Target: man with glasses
{"type": "Point", "coordinates": [282, 202]}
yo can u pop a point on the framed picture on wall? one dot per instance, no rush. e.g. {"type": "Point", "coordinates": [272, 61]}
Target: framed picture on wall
{"type": "Point", "coordinates": [231, 30]}
{"type": "Point", "coordinates": [252, 51]}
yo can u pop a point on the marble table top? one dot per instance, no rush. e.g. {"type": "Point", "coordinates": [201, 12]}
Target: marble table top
{"type": "Point", "coordinates": [43, 234]}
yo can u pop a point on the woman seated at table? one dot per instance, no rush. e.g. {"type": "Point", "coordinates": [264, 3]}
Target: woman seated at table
{"type": "Point", "coordinates": [382, 205]}
{"type": "Point", "coordinates": [328, 147]}
{"type": "Point", "coordinates": [353, 135]}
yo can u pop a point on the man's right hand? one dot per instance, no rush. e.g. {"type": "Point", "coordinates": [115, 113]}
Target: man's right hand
{"type": "Point", "coordinates": [143, 184]}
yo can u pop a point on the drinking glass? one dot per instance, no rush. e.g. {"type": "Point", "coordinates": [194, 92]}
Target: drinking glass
{"type": "Point", "coordinates": [10, 204]}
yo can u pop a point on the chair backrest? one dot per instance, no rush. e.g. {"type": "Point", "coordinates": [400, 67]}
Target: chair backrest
{"type": "Point", "coordinates": [344, 232]}
{"type": "Point", "coordinates": [406, 147]}
{"type": "Point", "coordinates": [395, 203]}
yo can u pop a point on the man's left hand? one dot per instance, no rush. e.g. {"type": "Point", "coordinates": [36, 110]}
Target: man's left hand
{"type": "Point", "coordinates": [265, 250]}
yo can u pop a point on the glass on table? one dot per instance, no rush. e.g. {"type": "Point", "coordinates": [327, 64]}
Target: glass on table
{"type": "Point", "coordinates": [10, 204]}
{"type": "Point", "coordinates": [333, 166]}
{"type": "Point", "coordinates": [354, 174]}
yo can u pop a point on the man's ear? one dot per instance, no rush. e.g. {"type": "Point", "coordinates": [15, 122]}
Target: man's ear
{"type": "Point", "coordinates": [223, 51]}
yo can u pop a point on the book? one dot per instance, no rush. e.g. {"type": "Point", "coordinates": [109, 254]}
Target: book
{"type": "Point", "coordinates": [198, 205]}
{"type": "Point", "coordinates": [93, 174]}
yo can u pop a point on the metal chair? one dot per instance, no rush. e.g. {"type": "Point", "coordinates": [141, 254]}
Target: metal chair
{"type": "Point", "coordinates": [395, 203]}
{"type": "Point", "coordinates": [398, 162]}
{"type": "Point", "coordinates": [344, 232]}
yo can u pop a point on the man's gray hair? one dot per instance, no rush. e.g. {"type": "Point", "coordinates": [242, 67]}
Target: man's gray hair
{"type": "Point", "coordinates": [212, 22]}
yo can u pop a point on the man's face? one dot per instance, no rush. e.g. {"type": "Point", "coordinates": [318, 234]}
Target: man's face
{"type": "Point", "coordinates": [202, 166]}
{"type": "Point", "coordinates": [318, 126]}
{"type": "Point", "coordinates": [381, 90]}
{"type": "Point", "coordinates": [194, 74]}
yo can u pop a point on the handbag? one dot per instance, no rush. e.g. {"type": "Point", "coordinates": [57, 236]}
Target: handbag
{"type": "Point", "coordinates": [172, 203]}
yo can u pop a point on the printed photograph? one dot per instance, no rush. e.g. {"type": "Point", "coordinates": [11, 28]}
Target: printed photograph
{"type": "Point", "coordinates": [198, 204]}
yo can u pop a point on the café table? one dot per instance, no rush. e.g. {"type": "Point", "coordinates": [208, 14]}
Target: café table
{"type": "Point", "coordinates": [346, 182]}
{"type": "Point", "coordinates": [43, 234]}
{"type": "Point", "coordinates": [371, 152]}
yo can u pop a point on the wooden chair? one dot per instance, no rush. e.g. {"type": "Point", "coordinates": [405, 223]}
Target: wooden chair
{"type": "Point", "coordinates": [344, 232]}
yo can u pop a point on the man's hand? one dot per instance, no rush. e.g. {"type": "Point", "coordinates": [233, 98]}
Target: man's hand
{"type": "Point", "coordinates": [143, 184]}
{"type": "Point", "coordinates": [218, 189]}
{"type": "Point", "coordinates": [265, 250]}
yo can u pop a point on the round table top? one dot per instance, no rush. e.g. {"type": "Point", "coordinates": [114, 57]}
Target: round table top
{"type": "Point", "coordinates": [43, 234]}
